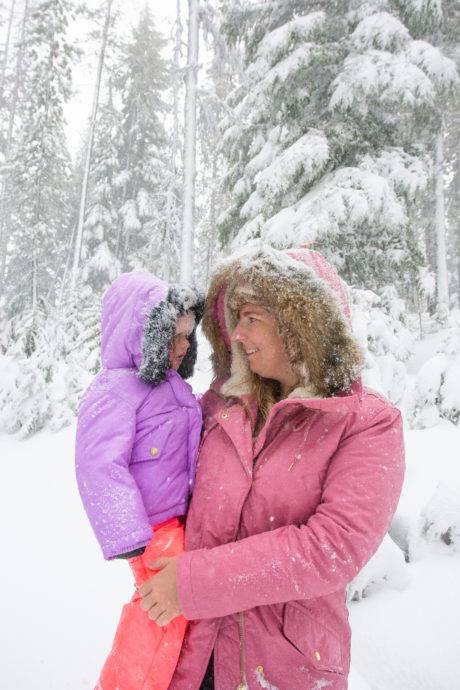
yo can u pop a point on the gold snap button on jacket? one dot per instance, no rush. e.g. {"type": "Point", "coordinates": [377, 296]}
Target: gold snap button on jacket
{"type": "Point", "coordinates": [260, 669]}
{"type": "Point", "coordinates": [224, 414]}
{"type": "Point", "coordinates": [153, 451]}
{"type": "Point", "coordinates": [317, 656]}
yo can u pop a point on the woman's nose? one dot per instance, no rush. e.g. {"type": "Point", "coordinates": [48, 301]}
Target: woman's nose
{"type": "Point", "coordinates": [236, 335]}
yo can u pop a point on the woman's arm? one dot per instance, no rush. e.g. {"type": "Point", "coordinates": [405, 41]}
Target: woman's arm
{"type": "Point", "coordinates": [359, 498]}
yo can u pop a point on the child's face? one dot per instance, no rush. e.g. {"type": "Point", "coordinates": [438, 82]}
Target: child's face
{"type": "Point", "coordinates": [180, 343]}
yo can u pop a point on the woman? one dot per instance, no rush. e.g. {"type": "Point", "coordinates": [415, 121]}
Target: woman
{"type": "Point", "coordinates": [299, 473]}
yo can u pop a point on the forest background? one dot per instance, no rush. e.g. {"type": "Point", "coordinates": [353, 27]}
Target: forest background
{"type": "Point", "coordinates": [327, 123]}
{"type": "Point", "coordinates": [165, 135]}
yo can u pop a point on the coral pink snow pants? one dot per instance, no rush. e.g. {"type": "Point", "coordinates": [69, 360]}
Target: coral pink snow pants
{"type": "Point", "coordinates": [144, 655]}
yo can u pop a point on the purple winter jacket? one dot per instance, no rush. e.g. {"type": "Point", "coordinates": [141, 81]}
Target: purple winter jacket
{"type": "Point", "coordinates": [139, 424]}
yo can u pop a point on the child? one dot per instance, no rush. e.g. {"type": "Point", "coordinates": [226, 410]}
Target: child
{"type": "Point", "coordinates": [137, 439]}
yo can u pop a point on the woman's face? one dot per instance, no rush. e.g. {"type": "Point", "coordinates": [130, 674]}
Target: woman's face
{"type": "Point", "coordinates": [180, 342]}
{"type": "Point", "coordinates": [257, 331]}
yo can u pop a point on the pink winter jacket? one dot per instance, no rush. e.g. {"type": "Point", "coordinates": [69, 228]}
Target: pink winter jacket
{"type": "Point", "coordinates": [275, 532]}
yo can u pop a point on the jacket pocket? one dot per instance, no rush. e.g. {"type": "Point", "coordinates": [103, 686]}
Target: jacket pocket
{"type": "Point", "coordinates": [320, 646]}
{"type": "Point", "coordinates": [153, 445]}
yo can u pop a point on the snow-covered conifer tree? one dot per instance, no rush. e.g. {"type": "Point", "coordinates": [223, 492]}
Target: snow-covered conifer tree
{"type": "Point", "coordinates": [452, 43]}
{"type": "Point", "coordinates": [453, 202]}
{"type": "Point", "coordinates": [40, 170]}
{"type": "Point", "coordinates": [99, 263]}
{"type": "Point", "coordinates": [5, 53]}
{"type": "Point", "coordinates": [219, 79]}
{"type": "Point", "coordinates": [437, 22]}
{"type": "Point", "coordinates": [143, 148]}
{"type": "Point", "coordinates": [89, 148]}
{"type": "Point", "coordinates": [8, 114]}
{"type": "Point", "coordinates": [331, 133]}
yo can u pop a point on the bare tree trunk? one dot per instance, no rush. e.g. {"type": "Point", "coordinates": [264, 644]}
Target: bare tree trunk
{"type": "Point", "coordinates": [34, 281]}
{"type": "Point", "coordinates": [84, 186]}
{"type": "Point", "coordinates": [441, 261]}
{"type": "Point", "coordinates": [7, 48]}
{"type": "Point", "coordinates": [171, 229]}
{"type": "Point", "coordinates": [168, 235]}
{"type": "Point", "coordinates": [60, 299]}
{"type": "Point", "coordinates": [122, 246]}
{"type": "Point", "coordinates": [186, 268]}
{"type": "Point", "coordinates": [4, 215]}
{"type": "Point", "coordinates": [176, 67]}
{"type": "Point", "coordinates": [212, 223]}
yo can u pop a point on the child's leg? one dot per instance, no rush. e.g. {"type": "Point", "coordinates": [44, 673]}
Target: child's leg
{"type": "Point", "coordinates": [143, 655]}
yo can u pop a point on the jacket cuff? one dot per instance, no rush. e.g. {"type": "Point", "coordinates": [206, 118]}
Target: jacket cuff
{"type": "Point", "coordinates": [131, 554]}
{"type": "Point", "coordinates": [133, 542]}
{"type": "Point", "coordinates": [185, 587]}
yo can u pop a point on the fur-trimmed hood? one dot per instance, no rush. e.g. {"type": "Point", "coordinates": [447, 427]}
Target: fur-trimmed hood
{"type": "Point", "coordinates": [139, 314]}
{"type": "Point", "coordinates": [310, 302]}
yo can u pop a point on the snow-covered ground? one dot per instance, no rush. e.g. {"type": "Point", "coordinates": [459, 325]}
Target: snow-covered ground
{"type": "Point", "coordinates": [59, 601]}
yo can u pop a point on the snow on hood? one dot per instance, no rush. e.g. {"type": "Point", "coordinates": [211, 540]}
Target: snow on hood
{"type": "Point", "coordinates": [139, 314]}
{"type": "Point", "coordinates": [311, 302]}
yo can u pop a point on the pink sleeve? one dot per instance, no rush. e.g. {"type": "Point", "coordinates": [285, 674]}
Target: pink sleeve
{"type": "Point", "coordinates": [359, 497]}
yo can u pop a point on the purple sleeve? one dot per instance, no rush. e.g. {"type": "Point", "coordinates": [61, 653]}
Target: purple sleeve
{"type": "Point", "coordinates": [105, 434]}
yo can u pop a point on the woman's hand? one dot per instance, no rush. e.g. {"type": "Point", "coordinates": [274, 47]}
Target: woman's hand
{"type": "Point", "coordinates": [159, 593]}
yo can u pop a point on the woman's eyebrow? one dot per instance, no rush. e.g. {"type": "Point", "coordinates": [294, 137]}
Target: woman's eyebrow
{"type": "Point", "coordinates": [248, 310]}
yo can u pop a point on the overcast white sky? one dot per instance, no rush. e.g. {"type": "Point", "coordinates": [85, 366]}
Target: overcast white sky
{"type": "Point", "coordinates": [84, 74]}
{"type": "Point", "coordinates": [78, 110]}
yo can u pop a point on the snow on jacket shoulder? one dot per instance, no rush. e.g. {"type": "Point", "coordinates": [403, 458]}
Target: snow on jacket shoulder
{"type": "Point", "coordinates": [139, 423]}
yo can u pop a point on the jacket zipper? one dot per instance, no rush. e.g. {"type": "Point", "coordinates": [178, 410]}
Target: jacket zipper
{"type": "Point", "coordinates": [243, 685]}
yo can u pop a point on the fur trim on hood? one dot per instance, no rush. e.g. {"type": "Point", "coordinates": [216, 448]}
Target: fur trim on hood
{"type": "Point", "coordinates": [309, 300]}
{"type": "Point", "coordinates": [159, 331]}
{"type": "Point", "coordinates": [139, 314]}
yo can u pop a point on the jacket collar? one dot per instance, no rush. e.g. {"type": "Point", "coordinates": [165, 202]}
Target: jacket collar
{"type": "Point", "coordinates": [238, 420]}
{"type": "Point", "coordinates": [339, 405]}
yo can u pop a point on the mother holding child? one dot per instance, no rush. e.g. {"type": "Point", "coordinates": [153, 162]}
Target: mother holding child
{"type": "Point", "coordinates": [298, 475]}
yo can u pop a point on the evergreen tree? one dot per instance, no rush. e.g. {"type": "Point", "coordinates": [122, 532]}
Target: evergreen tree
{"type": "Point", "coordinates": [451, 43]}
{"type": "Point", "coordinates": [331, 134]}
{"type": "Point", "coordinates": [438, 23]}
{"type": "Point", "coordinates": [221, 77]}
{"type": "Point", "coordinates": [11, 96]}
{"type": "Point", "coordinates": [50, 357]}
{"type": "Point", "coordinates": [4, 75]}
{"type": "Point", "coordinates": [143, 149]}
{"type": "Point", "coordinates": [453, 201]}
{"type": "Point", "coordinates": [99, 263]}
{"type": "Point", "coordinates": [91, 260]}
{"type": "Point", "coordinates": [40, 170]}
